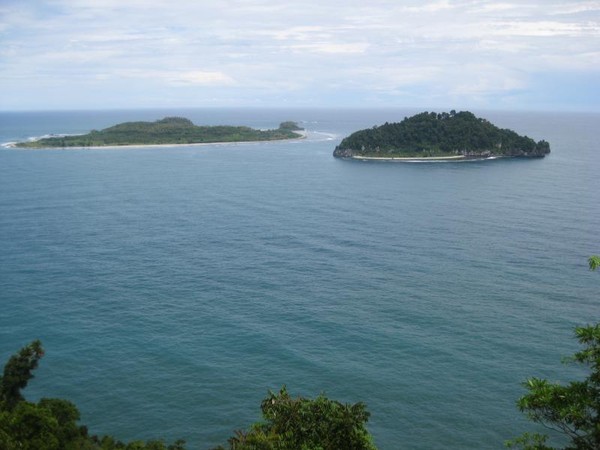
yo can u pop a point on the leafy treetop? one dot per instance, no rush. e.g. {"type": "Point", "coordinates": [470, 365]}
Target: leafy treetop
{"type": "Point", "coordinates": [289, 423]}
{"type": "Point", "coordinates": [18, 372]}
{"type": "Point", "coordinates": [50, 424]}
{"type": "Point", "coordinates": [572, 410]}
{"type": "Point", "coordinates": [306, 424]}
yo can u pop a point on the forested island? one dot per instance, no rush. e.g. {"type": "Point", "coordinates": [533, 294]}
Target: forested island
{"type": "Point", "coordinates": [430, 135]}
{"type": "Point", "coordinates": [170, 130]}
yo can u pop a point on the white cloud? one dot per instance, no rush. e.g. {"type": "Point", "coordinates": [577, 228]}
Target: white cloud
{"type": "Point", "coordinates": [546, 29]}
{"type": "Point", "coordinates": [385, 78]}
{"type": "Point", "coordinates": [498, 7]}
{"type": "Point", "coordinates": [584, 61]}
{"type": "Point", "coordinates": [575, 8]}
{"type": "Point", "coordinates": [174, 77]}
{"type": "Point", "coordinates": [331, 48]}
{"type": "Point", "coordinates": [431, 7]}
{"type": "Point", "coordinates": [302, 33]}
{"type": "Point", "coordinates": [417, 49]}
{"type": "Point", "coordinates": [485, 79]}
{"type": "Point", "coordinates": [202, 78]}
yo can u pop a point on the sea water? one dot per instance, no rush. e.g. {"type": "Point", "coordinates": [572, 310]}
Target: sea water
{"type": "Point", "coordinates": [172, 287]}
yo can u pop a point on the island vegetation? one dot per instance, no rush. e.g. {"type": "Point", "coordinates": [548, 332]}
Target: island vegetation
{"type": "Point", "coordinates": [289, 125]}
{"type": "Point", "coordinates": [170, 130]}
{"type": "Point", "coordinates": [446, 135]}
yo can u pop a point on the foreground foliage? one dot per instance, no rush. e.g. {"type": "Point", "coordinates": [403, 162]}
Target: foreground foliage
{"type": "Point", "coordinates": [305, 424]}
{"type": "Point", "coordinates": [170, 130]}
{"type": "Point", "coordinates": [50, 424]}
{"type": "Point", "coordinates": [290, 423]}
{"type": "Point", "coordinates": [573, 410]}
{"type": "Point", "coordinates": [445, 134]}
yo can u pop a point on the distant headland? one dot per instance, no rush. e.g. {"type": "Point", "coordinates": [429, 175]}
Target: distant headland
{"type": "Point", "coordinates": [446, 136]}
{"type": "Point", "coordinates": [167, 131]}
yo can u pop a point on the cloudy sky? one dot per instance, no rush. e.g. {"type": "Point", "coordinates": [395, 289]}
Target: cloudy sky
{"type": "Point", "coordinates": [96, 54]}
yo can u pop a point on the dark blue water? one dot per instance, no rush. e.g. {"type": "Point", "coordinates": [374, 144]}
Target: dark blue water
{"type": "Point", "coordinates": [172, 287]}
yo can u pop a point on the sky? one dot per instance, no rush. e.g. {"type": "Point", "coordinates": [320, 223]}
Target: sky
{"type": "Point", "coordinates": [445, 54]}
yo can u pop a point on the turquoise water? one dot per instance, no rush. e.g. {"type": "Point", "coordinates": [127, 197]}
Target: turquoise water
{"type": "Point", "coordinates": [172, 287]}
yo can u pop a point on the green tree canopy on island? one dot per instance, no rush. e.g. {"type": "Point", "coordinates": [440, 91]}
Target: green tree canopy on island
{"type": "Point", "coordinates": [432, 134]}
{"type": "Point", "coordinates": [170, 130]}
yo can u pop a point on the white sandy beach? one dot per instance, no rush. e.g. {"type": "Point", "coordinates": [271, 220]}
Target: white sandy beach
{"type": "Point", "coordinates": [409, 159]}
{"type": "Point", "coordinates": [302, 135]}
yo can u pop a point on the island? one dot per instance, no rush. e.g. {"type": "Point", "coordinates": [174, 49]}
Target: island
{"type": "Point", "coordinates": [432, 136]}
{"type": "Point", "coordinates": [167, 131]}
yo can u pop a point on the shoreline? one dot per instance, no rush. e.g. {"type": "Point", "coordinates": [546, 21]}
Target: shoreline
{"type": "Point", "coordinates": [302, 134]}
{"type": "Point", "coordinates": [411, 159]}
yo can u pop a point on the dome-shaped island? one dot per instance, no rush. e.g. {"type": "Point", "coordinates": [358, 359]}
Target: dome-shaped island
{"type": "Point", "coordinates": [445, 136]}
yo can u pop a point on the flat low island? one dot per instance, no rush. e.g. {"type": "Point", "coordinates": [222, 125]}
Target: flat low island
{"type": "Point", "coordinates": [430, 137]}
{"type": "Point", "coordinates": [167, 131]}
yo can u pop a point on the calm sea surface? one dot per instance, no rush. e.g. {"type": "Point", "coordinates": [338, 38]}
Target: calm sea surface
{"type": "Point", "coordinates": [173, 287]}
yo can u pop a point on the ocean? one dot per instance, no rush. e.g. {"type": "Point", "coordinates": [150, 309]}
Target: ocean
{"type": "Point", "coordinates": [172, 287]}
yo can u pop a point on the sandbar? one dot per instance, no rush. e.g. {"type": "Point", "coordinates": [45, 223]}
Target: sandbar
{"type": "Point", "coordinates": [302, 134]}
